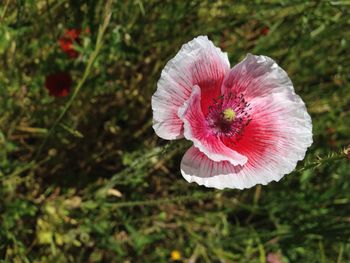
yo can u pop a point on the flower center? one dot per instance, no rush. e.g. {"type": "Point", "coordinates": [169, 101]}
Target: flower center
{"type": "Point", "coordinates": [228, 115]}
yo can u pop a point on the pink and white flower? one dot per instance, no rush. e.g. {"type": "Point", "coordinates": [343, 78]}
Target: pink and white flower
{"type": "Point", "coordinates": [247, 124]}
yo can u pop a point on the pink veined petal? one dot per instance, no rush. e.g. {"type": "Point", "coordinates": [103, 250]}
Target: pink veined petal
{"type": "Point", "coordinates": [256, 76]}
{"type": "Point", "coordinates": [275, 140]}
{"type": "Point", "coordinates": [198, 62]}
{"type": "Point", "coordinates": [280, 129]}
{"type": "Point", "coordinates": [196, 129]}
{"type": "Point", "coordinates": [197, 167]}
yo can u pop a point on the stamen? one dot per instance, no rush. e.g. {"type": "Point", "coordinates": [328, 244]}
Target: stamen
{"type": "Point", "coordinates": [229, 115]}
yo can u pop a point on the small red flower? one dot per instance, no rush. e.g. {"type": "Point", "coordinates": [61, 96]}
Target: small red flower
{"type": "Point", "coordinates": [58, 84]}
{"type": "Point", "coordinates": [265, 31]}
{"type": "Point", "coordinates": [69, 38]}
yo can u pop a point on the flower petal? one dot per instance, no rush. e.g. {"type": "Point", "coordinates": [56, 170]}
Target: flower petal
{"type": "Point", "coordinates": [197, 167]}
{"type": "Point", "coordinates": [280, 129]}
{"type": "Point", "coordinates": [196, 129]}
{"type": "Point", "coordinates": [256, 76]}
{"type": "Point", "coordinates": [198, 62]}
{"type": "Point", "coordinates": [274, 141]}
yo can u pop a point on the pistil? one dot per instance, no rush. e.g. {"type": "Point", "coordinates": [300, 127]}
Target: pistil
{"type": "Point", "coordinates": [229, 114]}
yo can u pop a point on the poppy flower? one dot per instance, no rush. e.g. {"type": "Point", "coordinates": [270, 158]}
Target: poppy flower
{"type": "Point", "coordinates": [265, 31]}
{"type": "Point", "coordinates": [67, 41]}
{"type": "Point", "coordinates": [247, 124]}
{"type": "Point", "coordinates": [58, 84]}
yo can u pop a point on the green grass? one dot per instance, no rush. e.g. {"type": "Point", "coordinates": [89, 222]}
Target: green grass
{"type": "Point", "coordinates": [85, 179]}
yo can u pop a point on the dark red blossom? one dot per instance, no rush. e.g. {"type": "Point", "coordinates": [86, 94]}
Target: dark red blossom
{"type": "Point", "coordinates": [58, 84]}
{"type": "Point", "coordinates": [265, 31]}
{"type": "Point", "coordinates": [69, 38]}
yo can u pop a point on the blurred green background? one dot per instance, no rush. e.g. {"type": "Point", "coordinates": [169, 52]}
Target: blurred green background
{"type": "Point", "coordinates": [95, 184]}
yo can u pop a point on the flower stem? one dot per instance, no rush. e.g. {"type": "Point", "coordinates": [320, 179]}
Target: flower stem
{"type": "Point", "coordinates": [93, 56]}
{"type": "Point", "coordinates": [162, 201]}
{"type": "Point", "coordinates": [322, 161]}
{"type": "Point", "coordinates": [209, 195]}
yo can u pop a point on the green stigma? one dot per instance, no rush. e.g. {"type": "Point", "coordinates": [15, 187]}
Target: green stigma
{"type": "Point", "coordinates": [229, 114]}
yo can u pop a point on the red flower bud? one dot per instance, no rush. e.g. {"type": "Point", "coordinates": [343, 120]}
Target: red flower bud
{"type": "Point", "coordinates": [58, 84]}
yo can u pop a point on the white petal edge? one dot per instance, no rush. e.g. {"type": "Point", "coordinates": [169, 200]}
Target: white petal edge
{"type": "Point", "coordinates": [257, 76]}
{"type": "Point", "coordinates": [175, 84]}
